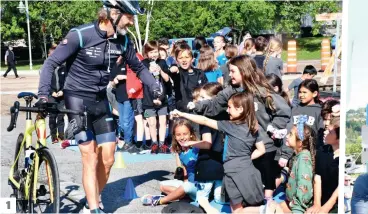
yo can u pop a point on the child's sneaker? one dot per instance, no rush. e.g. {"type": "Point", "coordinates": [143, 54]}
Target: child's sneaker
{"type": "Point", "coordinates": [65, 144]}
{"type": "Point", "coordinates": [54, 139]}
{"type": "Point", "coordinates": [164, 149]}
{"type": "Point", "coordinates": [151, 199]}
{"type": "Point", "coordinates": [154, 149]}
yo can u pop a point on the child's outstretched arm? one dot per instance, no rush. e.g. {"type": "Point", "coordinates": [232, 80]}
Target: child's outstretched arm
{"type": "Point", "coordinates": [259, 151]}
{"type": "Point", "coordinates": [196, 118]}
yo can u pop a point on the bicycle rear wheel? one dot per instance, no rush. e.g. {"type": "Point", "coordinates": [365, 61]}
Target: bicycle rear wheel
{"type": "Point", "coordinates": [48, 185]}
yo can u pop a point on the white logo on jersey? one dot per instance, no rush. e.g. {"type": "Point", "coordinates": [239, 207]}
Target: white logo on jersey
{"type": "Point", "coordinates": [309, 122]}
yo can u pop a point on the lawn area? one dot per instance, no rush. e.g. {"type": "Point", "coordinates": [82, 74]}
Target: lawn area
{"type": "Point", "coordinates": [24, 65]}
{"type": "Point", "coordinates": [307, 48]}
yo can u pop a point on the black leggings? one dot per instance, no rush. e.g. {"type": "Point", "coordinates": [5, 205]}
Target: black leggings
{"type": "Point", "coordinates": [269, 169]}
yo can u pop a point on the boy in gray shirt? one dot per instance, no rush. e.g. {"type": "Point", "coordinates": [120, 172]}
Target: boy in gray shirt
{"type": "Point", "coordinates": [309, 72]}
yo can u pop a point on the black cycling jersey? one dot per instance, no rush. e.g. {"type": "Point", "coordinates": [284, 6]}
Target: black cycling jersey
{"type": "Point", "coordinates": [90, 55]}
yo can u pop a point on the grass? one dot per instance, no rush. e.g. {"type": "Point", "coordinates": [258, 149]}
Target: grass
{"type": "Point", "coordinates": [24, 65]}
{"type": "Point", "coordinates": [307, 48]}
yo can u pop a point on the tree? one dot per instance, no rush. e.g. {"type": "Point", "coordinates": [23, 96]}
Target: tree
{"type": "Point", "coordinates": [58, 16]}
{"type": "Point", "coordinates": [171, 19]}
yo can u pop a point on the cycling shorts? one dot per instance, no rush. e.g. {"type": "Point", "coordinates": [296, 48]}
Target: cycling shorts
{"type": "Point", "coordinates": [100, 123]}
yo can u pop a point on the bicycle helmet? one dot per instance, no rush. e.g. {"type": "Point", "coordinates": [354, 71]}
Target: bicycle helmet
{"type": "Point", "coordinates": [125, 6]}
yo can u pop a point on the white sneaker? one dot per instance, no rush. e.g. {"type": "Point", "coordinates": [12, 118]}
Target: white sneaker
{"type": "Point", "coordinates": [120, 143]}
{"type": "Point", "coordinates": [86, 210]}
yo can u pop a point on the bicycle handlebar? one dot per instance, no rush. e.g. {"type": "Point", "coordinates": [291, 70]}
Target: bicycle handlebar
{"type": "Point", "coordinates": [48, 108]}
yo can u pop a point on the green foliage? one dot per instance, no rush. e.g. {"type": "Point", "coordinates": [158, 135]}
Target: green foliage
{"type": "Point", "coordinates": [354, 148]}
{"type": "Point", "coordinates": [171, 19]}
{"type": "Point", "coordinates": [355, 119]}
{"type": "Point", "coordinates": [58, 16]}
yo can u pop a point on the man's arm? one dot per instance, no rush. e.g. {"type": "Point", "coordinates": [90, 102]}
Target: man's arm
{"type": "Point", "coordinates": [64, 50]}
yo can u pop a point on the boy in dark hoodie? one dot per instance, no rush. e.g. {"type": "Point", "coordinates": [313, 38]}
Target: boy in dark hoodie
{"type": "Point", "coordinates": [153, 108]}
{"type": "Point", "coordinates": [185, 77]}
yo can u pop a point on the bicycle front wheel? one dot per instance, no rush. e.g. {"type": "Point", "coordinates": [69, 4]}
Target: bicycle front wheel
{"type": "Point", "coordinates": [47, 186]}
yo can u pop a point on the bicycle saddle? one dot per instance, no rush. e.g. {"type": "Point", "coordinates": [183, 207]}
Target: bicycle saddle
{"type": "Point", "coordinates": [27, 94]}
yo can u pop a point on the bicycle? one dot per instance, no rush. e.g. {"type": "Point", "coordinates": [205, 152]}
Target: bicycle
{"type": "Point", "coordinates": [28, 188]}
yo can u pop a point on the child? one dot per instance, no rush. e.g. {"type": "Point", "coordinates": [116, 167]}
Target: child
{"type": "Point", "coordinates": [299, 189]}
{"type": "Point", "coordinates": [310, 106]}
{"type": "Point", "coordinates": [326, 179]}
{"type": "Point", "coordinates": [273, 63]}
{"type": "Point", "coordinates": [273, 113]}
{"type": "Point", "coordinates": [276, 82]}
{"type": "Point", "coordinates": [162, 53]}
{"type": "Point", "coordinates": [219, 43]}
{"type": "Point", "coordinates": [208, 64]}
{"type": "Point", "coordinates": [260, 45]}
{"type": "Point", "coordinates": [249, 48]}
{"type": "Point", "coordinates": [242, 181]}
{"type": "Point", "coordinates": [135, 94]}
{"type": "Point", "coordinates": [153, 108]}
{"type": "Point", "coordinates": [198, 43]}
{"type": "Point", "coordinates": [186, 158]}
{"type": "Point", "coordinates": [209, 168]}
{"type": "Point", "coordinates": [230, 52]}
{"type": "Point", "coordinates": [56, 121]}
{"type": "Point", "coordinates": [308, 73]}
{"type": "Point", "coordinates": [185, 77]}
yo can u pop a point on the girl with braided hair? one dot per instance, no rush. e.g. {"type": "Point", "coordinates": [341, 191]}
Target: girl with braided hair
{"type": "Point", "coordinates": [273, 63]}
{"type": "Point", "coordinates": [299, 189]}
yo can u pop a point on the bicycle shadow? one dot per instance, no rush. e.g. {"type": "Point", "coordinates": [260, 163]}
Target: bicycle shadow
{"type": "Point", "coordinates": [112, 195]}
{"type": "Point", "coordinates": [75, 204]}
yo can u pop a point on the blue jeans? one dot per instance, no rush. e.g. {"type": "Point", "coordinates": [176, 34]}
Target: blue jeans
{"type": "Point", "coordinates": [126, 120]}
{"type": "Point", "coordinates": [359, 200]}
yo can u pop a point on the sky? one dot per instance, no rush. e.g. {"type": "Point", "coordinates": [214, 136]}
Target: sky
{"type": "Point", "coordinates": [357, 58]}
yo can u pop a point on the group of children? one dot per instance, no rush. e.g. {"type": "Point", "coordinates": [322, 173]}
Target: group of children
{"type": "Point", "coordinates": [235, 134]}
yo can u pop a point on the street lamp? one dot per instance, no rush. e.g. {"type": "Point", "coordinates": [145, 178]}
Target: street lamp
{"type": "Point", "coordinates": [23, 9]}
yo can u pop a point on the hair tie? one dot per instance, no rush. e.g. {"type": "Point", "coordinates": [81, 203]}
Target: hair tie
{"type": "Point", "coordinates": [300, 126]}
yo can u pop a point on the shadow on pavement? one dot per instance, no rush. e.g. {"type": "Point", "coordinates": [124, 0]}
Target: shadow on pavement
{"type": "Point", "coordinates": [112, 196]}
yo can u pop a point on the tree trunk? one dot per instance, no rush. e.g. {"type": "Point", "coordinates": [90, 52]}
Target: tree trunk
{"type": "Point", "coordinates": [149, 14]}
{"type": "Point", "coordinates": [135, 41]}
{"type": "Point", "coordinates": [139, 42]}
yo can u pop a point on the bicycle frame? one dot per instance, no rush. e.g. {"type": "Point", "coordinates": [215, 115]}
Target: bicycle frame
{"type": "Point", "coordinates": [40, 127]}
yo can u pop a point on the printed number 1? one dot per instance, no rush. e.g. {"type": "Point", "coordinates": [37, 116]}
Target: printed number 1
{"type": "Point", "coordinates": [8, 203]}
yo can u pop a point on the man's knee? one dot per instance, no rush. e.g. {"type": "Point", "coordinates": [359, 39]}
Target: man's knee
{"type": "Point", "coordinates": [108, 161]}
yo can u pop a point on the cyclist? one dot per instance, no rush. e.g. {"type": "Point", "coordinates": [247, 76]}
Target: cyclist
{"type": "Point", "coordinates": [90, 51]}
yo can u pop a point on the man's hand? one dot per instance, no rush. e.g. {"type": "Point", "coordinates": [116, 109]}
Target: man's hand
{"type": "Point", "coordinates": [42, 101]}
{"type": "Point", "coordinates": [283, 162]}
{"type": "Point", "coordinates": [60, 93]}
{"type": "Point", "coordinates": [54, 94]}
{"type": "Point", "coordinates": [191, 105]}
{"type": "Point", "coordinates": [119, 77]}
{"type": "Point", "coordinates": [157, 102]}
